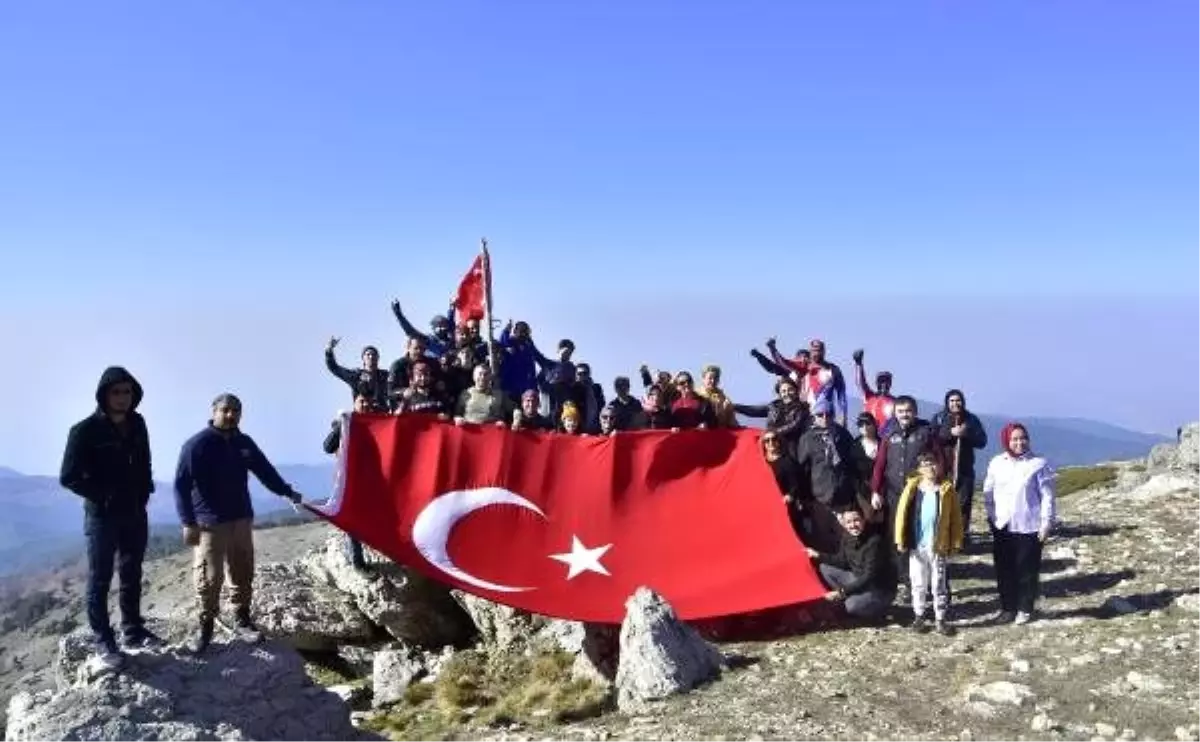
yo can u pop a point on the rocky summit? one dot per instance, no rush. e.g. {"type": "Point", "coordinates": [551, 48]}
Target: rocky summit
{"type": "Point", "coordinates": [1111, 655]}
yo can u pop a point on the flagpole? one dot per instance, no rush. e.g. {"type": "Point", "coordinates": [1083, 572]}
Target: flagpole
{"type": "Point", "coordinates": [487, 302]}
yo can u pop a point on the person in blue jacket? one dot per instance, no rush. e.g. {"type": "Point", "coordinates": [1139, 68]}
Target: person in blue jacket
{"type": "Point", "coordinates": [212, 497]}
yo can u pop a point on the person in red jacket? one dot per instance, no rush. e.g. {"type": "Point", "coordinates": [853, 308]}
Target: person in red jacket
{"type": "Point", "coordinates": [879, 402]}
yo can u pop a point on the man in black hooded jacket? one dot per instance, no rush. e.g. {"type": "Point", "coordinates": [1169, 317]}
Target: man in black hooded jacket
{"type": "Point", "coordinates": [107, 463]}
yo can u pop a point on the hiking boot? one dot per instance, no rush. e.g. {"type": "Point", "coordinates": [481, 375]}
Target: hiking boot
{"type": "Point", "coordinates": [1005, 617]}
{"type": "Point", "coordinates": [202, 638]}
{"type": "Point", "coordinates": [918, 625]}
{"type": "Point", "coordinates": [142, 638]}
{"type": "Point", "coordinates": [1022, 618]}
{"type": "Point", "coordinates": [108, 654]}
{"type": "Point", "coordinates": [245, 630]}
{"type": "Point", "coordinates": [943, 628]}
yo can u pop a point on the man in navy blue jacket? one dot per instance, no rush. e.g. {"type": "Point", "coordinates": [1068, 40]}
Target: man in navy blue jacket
{"type": "Point", "coordinates": [212, 497]}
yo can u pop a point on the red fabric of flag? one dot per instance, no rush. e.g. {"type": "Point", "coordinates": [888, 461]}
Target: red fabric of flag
{"type": "Point", "coordinates": [570, 526]}
{"type": "Point", "coordinates": [472, 292]}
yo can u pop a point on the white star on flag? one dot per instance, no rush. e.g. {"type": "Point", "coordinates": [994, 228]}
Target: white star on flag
{"type": "Point", "coordinates": [582, 559]}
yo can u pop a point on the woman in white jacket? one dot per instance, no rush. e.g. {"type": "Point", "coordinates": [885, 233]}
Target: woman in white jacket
{"type": "Point", "coordinates": [1018, 493]}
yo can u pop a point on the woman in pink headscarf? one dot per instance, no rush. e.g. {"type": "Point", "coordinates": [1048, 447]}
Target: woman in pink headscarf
{"type": "Point", "coordinates": [1018, 493]}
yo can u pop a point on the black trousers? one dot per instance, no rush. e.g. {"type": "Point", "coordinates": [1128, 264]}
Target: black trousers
{"type": "Point", "coordinates": [899, 560]}
{"type": "Point", "coordinates": [966, 496]}
{"type": "Point", "coordinates": [1018, 560]}
{"type": "Point", "coordinates": [115, 541]}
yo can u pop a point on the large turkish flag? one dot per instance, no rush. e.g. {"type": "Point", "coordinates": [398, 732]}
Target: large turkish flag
{"type": "Point", "coordinates": [570, 526]}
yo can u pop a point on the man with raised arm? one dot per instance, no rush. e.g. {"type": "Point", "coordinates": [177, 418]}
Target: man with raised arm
{"type": "Point", "coordinates": [212, 497]}
{"type": "Point", "coordinates": [438, 340]}
{"type": "Point", "coordinates": [107, 463]}
{"type": "Point", "coordinates": [879, 402]}
{"type": "Point", "coordinates": [370, 378]}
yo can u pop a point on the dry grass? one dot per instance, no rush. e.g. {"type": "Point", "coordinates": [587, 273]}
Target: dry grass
{"type": "Point", "coordinates": [1075, 479]}
{"type": "Point", "coordinates": [474, 690]}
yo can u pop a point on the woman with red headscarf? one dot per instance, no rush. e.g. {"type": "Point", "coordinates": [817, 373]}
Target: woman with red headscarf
{"type": "Point", "coordinates": [1018, 493]}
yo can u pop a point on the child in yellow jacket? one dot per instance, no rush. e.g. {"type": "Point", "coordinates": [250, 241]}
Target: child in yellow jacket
{"type": "Point", "coordinates": [929, 529]}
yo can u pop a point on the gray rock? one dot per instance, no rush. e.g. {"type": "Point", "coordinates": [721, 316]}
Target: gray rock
{"type": "Point", "coordinates": [234, 691]}
{"type": "Point", "coordinates": [356, 695]}
{"type": "Point", "coordinates": [290, 605]}
{"type": "Point", "coordinates": [505, 628]}
{"type": "Point", "coordinates": [1183, 456]}
{"type": "Point", "coordinates": [74, 650]}
{"type": "Point", "coordinates": [1105, 730]}
{"type": "Point", "coordinates": [395, 670]}
{"type": "Point", "coordinates": [659, 654]}
{"type": "Point", "coordinates": [1001, 692]}
{"type": "Point", "coordinates": [358, 659]}
{"type": "Point", "coordinates": [410, 607]}
{"type": "Point", "coordinates": [1145, 683]}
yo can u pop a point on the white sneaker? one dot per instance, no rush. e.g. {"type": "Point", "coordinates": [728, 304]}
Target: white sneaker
{"type": "Point", "coordinates": [1022, 618]}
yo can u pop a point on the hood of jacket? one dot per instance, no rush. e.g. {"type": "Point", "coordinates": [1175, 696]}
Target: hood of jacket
{"type": "Point", "coordinates": [117, 375]}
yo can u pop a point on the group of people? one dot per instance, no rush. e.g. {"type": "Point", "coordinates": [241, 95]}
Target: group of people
{"type": "Point", "coordinates": [881, 510]}
{"type": "Point", "coordinates": [878, 511]}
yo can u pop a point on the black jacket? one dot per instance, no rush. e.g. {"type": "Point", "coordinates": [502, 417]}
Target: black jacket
{"type": "Point", "coordinates": [867, 557]}
{"type": "Point", "coordinates": [826, 455]}
{"type": "Point", "coordinates": [897, 457]}
{"type": "Point", "coordinates": [976, 437]}
{"type": "Point", "coordinates": [627, 415]}
{"type": "Point", "coordinates": [790, 478]}
{"type": "Point", "coordinates": [788, 421]}
{"type": "Point", "coordinates": [333, 441]}
{"type": "Point", "coordinates": [374, 383]}
{"type": "Point", "coordinates": [106, 465]}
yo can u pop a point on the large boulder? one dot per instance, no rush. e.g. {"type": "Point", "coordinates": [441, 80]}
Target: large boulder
{"type": "Point", "coordinates": [504, 628]}
{"type": "Point", "coordinates": [659, 655]}
{"type": "Point", "coordinates": [234, 691]}
{"type": "Point", "coordinates": [1182, 456]}
{"type": "Point", "coordinates": [408, 606]}
{"type": "Point", "coordinates": [290, 604]}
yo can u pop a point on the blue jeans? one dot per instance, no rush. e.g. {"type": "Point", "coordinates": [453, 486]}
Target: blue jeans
{"type": "Point", "coordinates": [120, 541]}
{"type": "Point", "coordinates": [871, 603]}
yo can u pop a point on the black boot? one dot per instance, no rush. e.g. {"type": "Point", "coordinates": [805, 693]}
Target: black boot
{"type": "Point", "coordinates": [202, 638]}
{"type": "Point", "coordinates": [245, 630]}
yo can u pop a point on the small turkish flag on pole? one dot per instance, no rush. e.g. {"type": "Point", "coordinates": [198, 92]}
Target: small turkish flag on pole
{"type": "Point", "coordinates": [471, 298]}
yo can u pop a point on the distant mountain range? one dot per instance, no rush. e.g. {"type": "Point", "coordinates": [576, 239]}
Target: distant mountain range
{"type": "Point", "coordinates": [42, 522]}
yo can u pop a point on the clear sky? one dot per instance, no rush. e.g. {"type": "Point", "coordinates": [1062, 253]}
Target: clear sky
{"type": "Point", "coordinates": [1000, 196]}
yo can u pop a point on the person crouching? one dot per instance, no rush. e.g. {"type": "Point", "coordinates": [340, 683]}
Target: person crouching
{"type": "Point", "coordinates": [929, 529]}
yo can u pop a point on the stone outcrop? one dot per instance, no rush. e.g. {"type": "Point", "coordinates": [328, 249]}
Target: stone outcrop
{"type": "Point", "coordinates": [408, 606]}
{"type": "Point", "coordinates": [659, 654]}
{"type": "Point", "coordinates": [290, 604]}
{"type": "Point", "coordinates": [1182, 457]}
{"type": "Point", "coordinates": [235, 691]}
{"type": "Point", "coordinates": [505, 628]}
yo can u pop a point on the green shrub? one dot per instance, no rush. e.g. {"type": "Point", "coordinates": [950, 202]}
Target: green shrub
{"type": "Point", "coordinates": [1075, 479]}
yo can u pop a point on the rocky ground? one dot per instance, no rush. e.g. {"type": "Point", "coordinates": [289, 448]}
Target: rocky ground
{"type": "Point", "coordinates": [1113, 654]}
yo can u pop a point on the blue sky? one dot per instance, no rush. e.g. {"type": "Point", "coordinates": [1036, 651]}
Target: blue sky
{"type": "Point", "coordinates": [1000, 196]}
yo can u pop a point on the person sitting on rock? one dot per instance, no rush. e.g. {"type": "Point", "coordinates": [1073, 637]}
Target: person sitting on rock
{"type": "Point", "coordinates": [212, 497]}
{"type": "Point", "coordinates": [929, 529]}
{"type": "Point", "coordinates": [1018, 493]}
{"type": "Point", "coordinates": [529, 416]}
{"type": "Point", "coordinates": [331, 446]}
{"type": "Point", "coordinates": [859, 573]}
{"type": "Point", "coordinates": [482, 403]}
